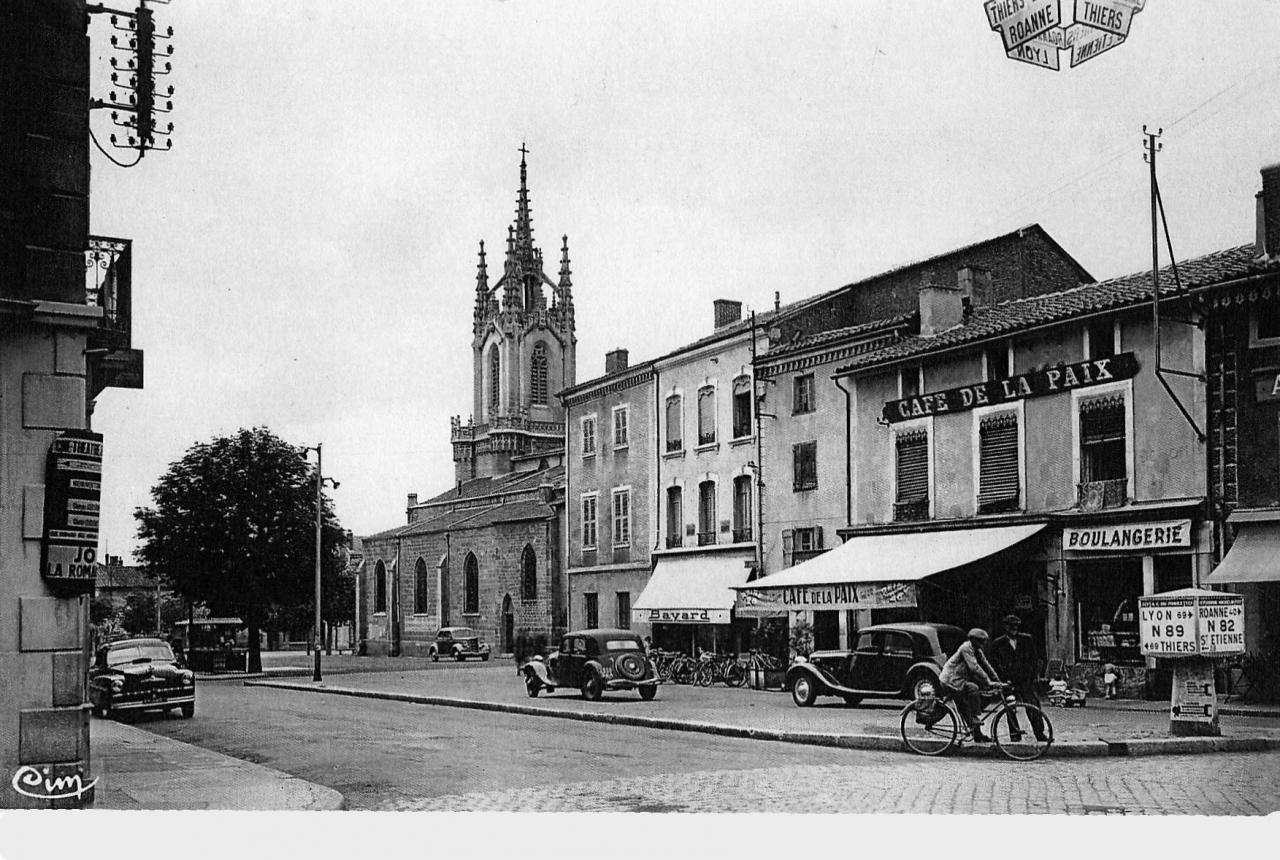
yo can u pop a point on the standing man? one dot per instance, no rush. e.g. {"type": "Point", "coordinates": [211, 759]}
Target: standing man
{"type": "Point", "coordinates": [964, 675]}
{"type": "Point", "coordinates": [1015, 658]}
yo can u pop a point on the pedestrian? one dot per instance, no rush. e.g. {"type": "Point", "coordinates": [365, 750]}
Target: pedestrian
{"type": "Point", "coordinates": [1015, 658]}
{"type": "Point", "coordinates": [1109, 680]}
{"type": "Point", "coordinates": [965, 673]}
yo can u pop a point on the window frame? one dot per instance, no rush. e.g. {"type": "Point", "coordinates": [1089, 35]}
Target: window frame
{"type": "Point", "coordinates": [624, 611]}
{"type": "Point", "coordinates": [738, 398]}
{"type": "Point", "coordinates": [796, 387]}
{"type": "Point", "coordinates": [622, 492]}
{"type": "Point", "coordinates": [674, 516]}
{"type": "Point", "coordinates": [702, 510]}
{"type": "Point", "coordinates": [421, 587]}
{"type": "Point", "coordinates": [380, 590]}
{"type": "Point", "coordinates": [590, 607]}
{"type": "Point", "coordinates": [900, 428]}
{"type": "Point", "coordinates": [539, 375]}
{"type": "Point", "coordinates": [623, 412]}
{"type": "Point", "coordinates": [583, 422]}
{"type": "Point", "coordinates": [495, 379]}
{"type": "Point", "coordinates": [1087, 338]}
{"type": "Point", "coordinates": [903, 372]}
{"type": "Point", "coordinates": [798, 482]}
{"type": "Point", "coordinates": [471, 585]}
{"type": "Point", "coordinates": [1254, 339]}
{"type": "Point", "coordinates": [1017, 408]}
{"type": "Point", "coordinates": [594, 498]}
{"type": "Point", "coordinates": [676, 400]}
{"type": "Point", "coordinates": [528, 573]}
{"type": "Point", "coordinates": [1123, 387]}
{"type": "Point", "coordinates": [1006, 346]}
{"type": "Point", "coordinates": [707, 393]}
{"type": "Point", "coordinates": [743, 516]}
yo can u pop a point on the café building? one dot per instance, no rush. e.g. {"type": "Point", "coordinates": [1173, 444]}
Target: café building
{"type": "Point", "coordinates": [1023, 458]}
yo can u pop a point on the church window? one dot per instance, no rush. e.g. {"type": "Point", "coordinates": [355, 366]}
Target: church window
{"type": "Point", "coordinates": [538, 374]}
{"type": "Point", "coordinates": [528, 574]}
{"type": "Point", "coordinates": [495, 380]}
{"type": "Point", "coordinates": [420, 591]}
{"type": "Point", "coordinates": [380, 588]}
{"type": "Point", "coordinates": [471, 585]}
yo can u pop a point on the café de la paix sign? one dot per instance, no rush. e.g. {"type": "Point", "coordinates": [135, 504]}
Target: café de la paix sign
{"type": "Point", "coordinates": [1034, 31]}
{"type": "Point", "coordinates": [844, 595]}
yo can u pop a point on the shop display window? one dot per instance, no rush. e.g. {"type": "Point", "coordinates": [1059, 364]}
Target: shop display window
{"type": "Point", "coordinates": [1106, 602]}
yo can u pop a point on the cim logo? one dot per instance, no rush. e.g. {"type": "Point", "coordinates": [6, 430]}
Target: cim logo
{"type": "Point", "coordinates": [1034, 31]}
{"type": "Point", "coordinates": [46, 783]}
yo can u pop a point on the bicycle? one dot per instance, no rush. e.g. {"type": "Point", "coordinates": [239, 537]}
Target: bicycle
{"type": "Point", "coordinates": [931, 725]}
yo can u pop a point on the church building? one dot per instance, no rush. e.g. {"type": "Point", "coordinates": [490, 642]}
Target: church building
{"type": "Point", "coordinates": [487, 553]}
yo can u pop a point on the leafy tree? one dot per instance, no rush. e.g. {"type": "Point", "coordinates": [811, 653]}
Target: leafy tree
{"type": "Point", "coordinates": [139, 615]}
{"type": "Point", "coordinates": [232, 526]}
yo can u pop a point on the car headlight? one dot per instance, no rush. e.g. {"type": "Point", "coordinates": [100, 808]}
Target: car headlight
{"type": "Point", "coordinates": [187, 679]}
{"type": "Point", "coordinates": [117, 684]}
{"type": "Point", "coordinates": [800, 658]}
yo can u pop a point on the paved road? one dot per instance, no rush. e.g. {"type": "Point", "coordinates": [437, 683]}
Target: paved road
{"type": "Point", "coordinates": [394, 755]}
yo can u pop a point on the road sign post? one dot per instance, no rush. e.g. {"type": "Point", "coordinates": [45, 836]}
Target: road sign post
{"type": "Point", "coordinates": [1192, 626]}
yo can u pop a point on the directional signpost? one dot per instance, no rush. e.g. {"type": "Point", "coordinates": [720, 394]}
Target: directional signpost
{"type": "Point", "coordinates": [1192, 626]}
{"type": "Point", "coordinates": [1034, 31]}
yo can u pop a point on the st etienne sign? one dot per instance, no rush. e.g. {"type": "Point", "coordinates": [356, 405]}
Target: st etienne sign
{"type": "Point", "coordinates": [1036, 383]}
{"type": "Point", "coordinates": [1034, 31]}
{"type": "Point", "coordinates": [1191, 623]}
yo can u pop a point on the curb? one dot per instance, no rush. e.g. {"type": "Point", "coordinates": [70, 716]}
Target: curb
{"type": "Point", "coordinates": [891, 743]}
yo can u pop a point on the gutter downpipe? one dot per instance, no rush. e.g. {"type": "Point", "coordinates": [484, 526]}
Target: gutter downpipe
{"type": "Point", "coordinates": [848, 461]}
{"type": "Point", "coordinates": [755, 416]}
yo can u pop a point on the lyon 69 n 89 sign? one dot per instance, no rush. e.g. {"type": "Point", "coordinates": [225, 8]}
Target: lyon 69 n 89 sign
{"type": "Point", "coordinates": [1034, 31]}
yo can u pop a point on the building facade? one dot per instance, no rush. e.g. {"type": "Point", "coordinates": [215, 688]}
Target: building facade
{"type": "Point", "coordinates": [608, 457]}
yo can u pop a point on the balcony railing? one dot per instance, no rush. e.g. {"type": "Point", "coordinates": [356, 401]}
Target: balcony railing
{"type": "Point", "coordinates": [706, 538]}
{"type": "Point", "coordinates": [707, 438]}
{"type": "Point", "coordinates": [916, 509]}
{"type": "Point", "coordinates": [469, 430]}
{"type": "Point", "coordinates": [108, 284]}
{"type": "Point", "coordinates": [674, 541]}
{"type": "Point", "coordinates": [675, 445]}
{"type": "Point", "coordinates": [1096, 495]}
{"type": "Point", "coordinates": [998, 505]}
{"type": "Point", "coordinates": [742, 535]}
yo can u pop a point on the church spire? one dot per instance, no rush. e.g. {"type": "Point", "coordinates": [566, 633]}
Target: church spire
{"type": "Point", "coordinates": [565, 282]}
{"type": "Point", "coordinates": [482, 284]}
{"type": "Point", "coordinates": [524, 218]}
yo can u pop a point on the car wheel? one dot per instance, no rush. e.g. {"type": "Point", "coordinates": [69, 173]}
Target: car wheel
{"type": "Point", "coordinates": [532, 685]}
{"type": "Point", "coordinates": [484, 658]}
{"type": "Point", "coordinates": [648, 692]}
{"type": "Point", "coordinates": [916, 683]}
{"type": "Point", "coordinates": [853, 701]}
{"type": "Point", "coordinates": [457, 655]}
{"type": "Point", "coordinates": [105, 709]}
{"type": "Point", "coordinates": [630, 666]}
{"type": "Point", "coordinates": [188, 710]}
{"type": "Point", "coordinates": [592, 688]}
{"type": "Point", "coordinates": [98, 711]}
{"type": "Point", "coordinates": [804, 691]}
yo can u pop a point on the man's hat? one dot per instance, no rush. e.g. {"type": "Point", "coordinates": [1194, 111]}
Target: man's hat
{"type": "Point", "coordinates": [978, 633]}
{"type": "Point", "coordinates": [1012, 619]}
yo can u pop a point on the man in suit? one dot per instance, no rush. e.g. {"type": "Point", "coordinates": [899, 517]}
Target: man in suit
{"type": "Point", "coordinates": [1014, 657]}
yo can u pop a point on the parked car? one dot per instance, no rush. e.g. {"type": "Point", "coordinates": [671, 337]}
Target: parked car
{"type": "Point", "coordinates": [594, 661]}
{"type": "Point", "coordinates": [888, 661]}
{"type": "Point", "coordinates": [140, 675]}
{"type": "Point", "coordinates": [459, 643]}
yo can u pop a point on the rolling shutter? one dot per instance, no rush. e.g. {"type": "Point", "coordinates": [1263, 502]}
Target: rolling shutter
{"type": "Point", "coordinates": [998, 477]}
{"type": "Point", "coordinates": [913, 466]}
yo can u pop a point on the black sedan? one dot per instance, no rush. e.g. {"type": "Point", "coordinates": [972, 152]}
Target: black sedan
{"type": "Point", "coordinates": [140, 675]}
{"type": "Point", "coordinates": [594, 661]}
{"type": "Point", "coordinates": [888, 661]}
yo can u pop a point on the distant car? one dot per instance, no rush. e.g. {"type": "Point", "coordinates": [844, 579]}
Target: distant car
{"type": "Point", "coordinates": [458, 643]}
{"type": "Point", "coordinates": [594, 661]}
{"type": "Point", "coordinates": [888, 661]}
{"type": "Point", "coordinates": [140, 675]}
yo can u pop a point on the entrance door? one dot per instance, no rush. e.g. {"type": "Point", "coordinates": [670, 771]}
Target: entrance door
{"type": "Point", "coordinates": [826, 630]}
{"type": "Point", "coordinates": [508, 626]}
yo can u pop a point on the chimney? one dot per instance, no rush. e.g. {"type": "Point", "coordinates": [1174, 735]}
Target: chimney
{"type": "Point", "coordinates": [974, 284]}
{"type": "Point", "coordinates": [1268, 208]}
{"type": "Point", "coordinates": [614, 361]}
{"type": "Point", "coordinates": [941, 308]}
{"type": "Point", "coordinates": [728, 312]}
{"type": "Point", "coordinates": [777, 300]}
{"type": "Point", "coordinates": [409, 505]}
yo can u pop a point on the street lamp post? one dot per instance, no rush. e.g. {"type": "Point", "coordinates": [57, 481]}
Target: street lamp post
{"type": "Point", "coordinates": [320, 479]}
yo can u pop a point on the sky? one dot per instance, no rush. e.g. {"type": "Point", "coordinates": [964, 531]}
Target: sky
{"type": "Point", "coordinates": [305, 255]}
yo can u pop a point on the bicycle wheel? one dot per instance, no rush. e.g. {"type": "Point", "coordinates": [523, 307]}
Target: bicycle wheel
{"type": "Point", "coordinates": [1022, 732]}
{"type": "Point", "coordinates": [929, 735]}
{"type": "Point", "coordinates": [735, 675]}
{"type": "Point", "coordinates": [705, 675]}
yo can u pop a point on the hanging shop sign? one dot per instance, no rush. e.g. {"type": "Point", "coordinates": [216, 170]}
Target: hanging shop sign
{"type": "Point", "coordinates": [860, 595]}
{"type": "Point", "coordinates": [1191, 623]}
{"type": "Point", "coordinates": [1169, 534]}
{"type": "Point", "coordinates": [1034, 31]}
{"type": "Point", "coordinates": [680, 616]}
{"type": "Point", "coordinates": [72, 501]}
{"type": "Point", "coordinates": [1036, 383]}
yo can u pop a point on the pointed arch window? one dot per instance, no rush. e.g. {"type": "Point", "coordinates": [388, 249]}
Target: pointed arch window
{"type": "Point", "coordinates": [420, 591]}
{"type": "Point", "coordinates": [495, 380]}
{"type": "Point", "coordinates": [471, 585]}
{"type": "Point", "coordinates": [528, 574]}
{"type": "Point", "coordinates": [538, 374]}
{"type": "Point", "coordinates": [380, 587]}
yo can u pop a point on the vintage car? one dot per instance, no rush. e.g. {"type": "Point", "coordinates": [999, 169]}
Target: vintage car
{"type": "Point", "coordinates": [888, 661]}
{"type": "Point", "coordinates": [140, 675]}
{"type": "Point", "coordinates": [458, 643]}
{"type": "Point", "coordinates": [594, 661]}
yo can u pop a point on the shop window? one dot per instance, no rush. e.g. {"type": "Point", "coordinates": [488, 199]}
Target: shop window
{"type": "Point", "coordinates": [826, 630]}
{"type": "Point", "coordinates": [621, 430]}
{"type": "Point", "coordinates": [380, 588]}
{"type": "Point", "coordinates": [528, 574]}
{"type": "Point", "coordinates": [742, 508]}
{"type": "Point", "coordinates": [1102, 339]}
{"type": "Point", "coordinates": [589, 436]}
{"type": "Point", "coordinates": [804, 466]}
{"type": "Point", "coordinates": [911, 501]}
{"type": "Point", "coordinates": [741, 407]}
{"type": "Point", "coordinates": [470, 585]}
{"type": "Point", "coordinates": [706, 513]}
{"type": "Point", "coordinates": [995, 361]}
{"type": "Point", "coordinates": [675, 430]}
{"type": "Point", "coordinates": [1106, 594]}
{"type": "Point", "coordinates": [591, 609]}
{"type": "Point", "coordinates": [802, 394]}
{"type": "Point", "coordinates": [538, 374]}
{"type": "Point", "coordinates": [1103, 458]}
{"type": "Point", "coordinates": [420, 593]}
{"type": "Point", "coordinates": [707, 416]}
{"type": "Point", "coordinates": [622, 517]}
{"type": "Point", "coordinates": [589, 521]}
{"type": "Point", "coordinates": [624, 610]}
{"type": "Point", "coordinates": [675, 517]}
{"type": "Point", "coordinates": [998, 476]}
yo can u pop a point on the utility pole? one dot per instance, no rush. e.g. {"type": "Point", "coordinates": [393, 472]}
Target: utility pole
{"type": "Point", "coordinates": [319, 516]}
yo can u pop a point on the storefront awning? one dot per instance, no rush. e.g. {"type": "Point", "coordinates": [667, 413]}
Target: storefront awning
{"type": "Point", "coordinates": [691, 589]}
{"type": "Point", "coordinates": [1254, 557]}
{"type": "Point", "coordinates": [875, 571]}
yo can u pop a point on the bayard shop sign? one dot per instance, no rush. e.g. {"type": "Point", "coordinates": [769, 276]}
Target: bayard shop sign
{"type": "Point", "coordinates": [1163, 535]}
{"type": "Point", "coordinates": [72, 494]}
{"type": "Point", "coordinates": [1036, 383]}
{"type": "Point", "coordinates": [863, 595]}
{"type": "Point", "coordinates": [680, 616]}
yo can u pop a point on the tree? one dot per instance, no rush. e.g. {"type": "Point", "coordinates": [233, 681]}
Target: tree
{"type": "Point", "coordinates": [232, 525]}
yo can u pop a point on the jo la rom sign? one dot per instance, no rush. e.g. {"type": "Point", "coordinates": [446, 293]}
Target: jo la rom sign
{"type": "Point", "coordinates": [72, 499]}
{"type": "Point", "coordinates": [1037, 383]}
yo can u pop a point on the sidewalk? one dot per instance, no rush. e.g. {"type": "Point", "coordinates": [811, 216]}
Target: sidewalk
{"type": "Point", "coordinates": [1090, 731]}
{"type": "Point", "coordinates": [137, 769]}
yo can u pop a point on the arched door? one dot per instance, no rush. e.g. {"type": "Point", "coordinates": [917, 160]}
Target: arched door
{"type": "Point", "coordinates": [508, 626]}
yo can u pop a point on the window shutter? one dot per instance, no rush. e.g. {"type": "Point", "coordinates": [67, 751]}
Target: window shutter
{"type": "Point", "coordinates": [818, 538]}
{"type": "Point", "coordinates": [788, 546]}
{"type": "Point", "coordinates": [998, 477]}
{"type": "Point", "coordinates": [913, 466]}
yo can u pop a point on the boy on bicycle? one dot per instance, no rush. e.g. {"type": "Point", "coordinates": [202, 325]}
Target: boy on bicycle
{"type": "Point", "coordinates": [965, 673]}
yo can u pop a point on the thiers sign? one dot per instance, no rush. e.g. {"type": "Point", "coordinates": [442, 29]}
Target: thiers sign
{"type": "Point", "coordinates": [1036, 383]}
{"type": "Point", "coordinates": [72, 498]}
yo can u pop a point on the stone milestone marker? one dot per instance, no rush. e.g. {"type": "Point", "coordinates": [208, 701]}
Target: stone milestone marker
{"type": "Point", "coordinates": [1192, 626]}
